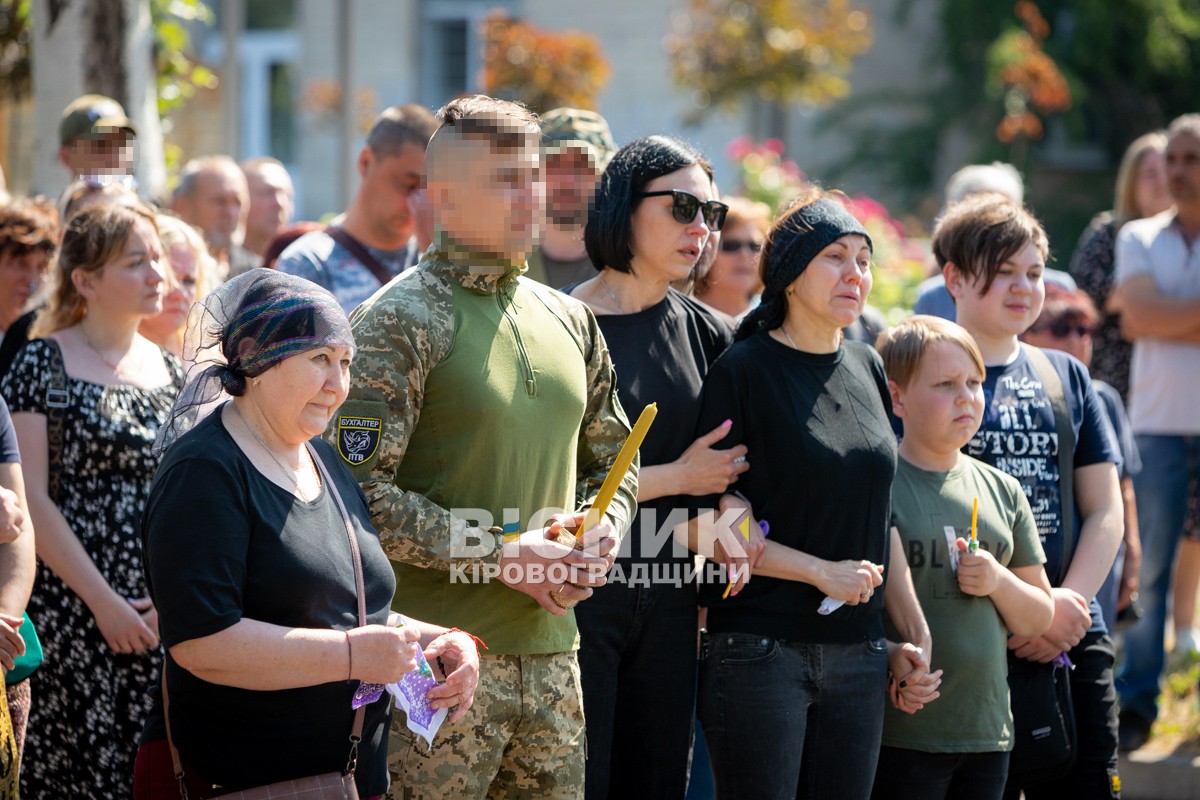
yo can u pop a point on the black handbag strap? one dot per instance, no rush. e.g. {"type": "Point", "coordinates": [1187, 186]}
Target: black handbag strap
{"type": "Point", "coordinates": [360, 251]}
{"type": "Point", "coordinates": [359, 590]}
{"type": "Point", "coordinates": [1066, 452]}
{"type": "Point", "coordinates": [57, 400]}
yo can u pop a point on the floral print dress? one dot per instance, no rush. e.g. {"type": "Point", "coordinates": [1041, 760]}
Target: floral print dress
{"type": "Point", "coordinates": [89, 702]}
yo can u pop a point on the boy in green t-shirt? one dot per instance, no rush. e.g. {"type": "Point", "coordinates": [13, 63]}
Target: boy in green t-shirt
{"type": "Point", "coordinates": [978, 577]}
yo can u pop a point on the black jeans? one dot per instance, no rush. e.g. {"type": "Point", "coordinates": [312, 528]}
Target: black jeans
{"type": "Point", "coordinates": [637, 659]}
{"type": "Point", "coordinates": [914, 775]}
{"type": "Point", "coordinates": [787, 719]}
{"type": "Point", "coordinates": [1094, 697]}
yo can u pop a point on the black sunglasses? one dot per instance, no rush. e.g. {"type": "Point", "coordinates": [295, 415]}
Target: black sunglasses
{"type": "Point", "coordinates": [684, 206]}
{"type": "Point", "coordinates": [733, 245]}
{"type": "Point", "coordinates": [1061, 329]}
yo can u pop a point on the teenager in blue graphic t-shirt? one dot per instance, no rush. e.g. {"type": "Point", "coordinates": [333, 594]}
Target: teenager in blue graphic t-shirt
{"type": "Point", "coordinates": [993, 253]}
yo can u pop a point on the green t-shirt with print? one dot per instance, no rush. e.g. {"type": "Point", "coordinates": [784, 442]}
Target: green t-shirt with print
{"type": "Point", "coordinates": [930, 510]}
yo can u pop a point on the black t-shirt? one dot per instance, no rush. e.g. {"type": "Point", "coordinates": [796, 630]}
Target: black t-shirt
{"type": "Point", "coordinates": [223, 543]}
{"type": "Point", "coordinates": [661, 355]}
{"type": "Point", "coordinates": [14, 339]}
{"type": "Point", "coordinates": [9, 454]}
{"type": "Point", "coordinates": [822, 458]}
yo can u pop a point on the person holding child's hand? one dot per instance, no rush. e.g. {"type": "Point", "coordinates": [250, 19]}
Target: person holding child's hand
{"type": "Point", "coordinates": [812, 412]}
{"type": "Point", "coordinates": [966, 534]}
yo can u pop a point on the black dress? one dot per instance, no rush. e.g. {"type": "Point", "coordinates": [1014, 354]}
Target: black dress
{"type": "Point", "coordinates": [89, 702]}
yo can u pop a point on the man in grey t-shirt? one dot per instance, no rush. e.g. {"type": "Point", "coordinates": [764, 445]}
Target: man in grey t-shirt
{"type": "Point", "coordinates": [373, 240]}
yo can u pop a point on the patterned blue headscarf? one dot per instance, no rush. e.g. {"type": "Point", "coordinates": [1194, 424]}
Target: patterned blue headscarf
{"type": "Point", "coordinates": [241, 330]}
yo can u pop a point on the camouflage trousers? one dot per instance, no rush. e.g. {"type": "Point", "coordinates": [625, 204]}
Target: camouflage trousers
{"type": "Point", "coordinates": [522, 738]}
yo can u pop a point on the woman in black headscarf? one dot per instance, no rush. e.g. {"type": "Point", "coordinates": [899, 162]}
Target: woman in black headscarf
{"type": "Point", "coordinates": [783, 681]}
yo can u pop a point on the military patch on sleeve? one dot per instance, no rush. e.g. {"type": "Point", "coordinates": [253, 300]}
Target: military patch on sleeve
{"type": "Point", "coordinates": [358, 438]}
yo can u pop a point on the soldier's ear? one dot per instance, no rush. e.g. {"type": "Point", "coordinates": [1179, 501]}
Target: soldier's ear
{"type": "Point", "coordinates": [440, 197]}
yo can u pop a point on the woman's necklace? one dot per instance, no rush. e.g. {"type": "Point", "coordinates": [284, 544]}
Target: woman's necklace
{"type": "Point", "coordinates": [290, 473]}
{"type": "Point", "coordinates": [612, 294]}
{"type": "Point", "coordinates": [115, 367]}
{"type": "Point", "coordinates": [791, 341]}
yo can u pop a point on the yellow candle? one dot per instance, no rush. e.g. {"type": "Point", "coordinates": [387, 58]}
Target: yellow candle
{"type": "Point", "coordinates": [974, 519]}
{"type": "Point", "coordinates": [608, 489]}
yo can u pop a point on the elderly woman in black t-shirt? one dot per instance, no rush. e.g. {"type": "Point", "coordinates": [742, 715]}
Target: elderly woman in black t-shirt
{"type": "Point", "coordinates": [250, 564]}
{"type": "Point", "coordinates": [782, 684]}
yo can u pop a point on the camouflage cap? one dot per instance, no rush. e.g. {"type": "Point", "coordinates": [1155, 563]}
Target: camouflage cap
{"type": "Point", "coordinates": [92, 114]}
{"type": "Point", "coordinates": [565, 128]}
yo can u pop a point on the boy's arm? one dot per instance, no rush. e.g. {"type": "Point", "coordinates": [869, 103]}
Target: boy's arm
{"type": "Point", "coordinates": [1020, 591]}
{"type": "Point", "coordinates": [1133, 547]}
{"type": "Point", "coordinates": [1022, 596]}
{"type": "Point", "coordinates": [910, 661]}
{"type": "Point", "coordinates": [1098, 495]}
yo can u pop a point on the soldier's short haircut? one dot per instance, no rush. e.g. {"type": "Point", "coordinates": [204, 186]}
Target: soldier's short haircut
{"type": "Point", "coordinates": [503, 123]}
{"type": "Point", "coordinates": [399, 126]}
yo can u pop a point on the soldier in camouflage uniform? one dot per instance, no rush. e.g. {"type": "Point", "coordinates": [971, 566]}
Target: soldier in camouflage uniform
{"type": "Point", "coordinates": [480, 403]}
{"type": "Point", "coordinates": [576, 146]}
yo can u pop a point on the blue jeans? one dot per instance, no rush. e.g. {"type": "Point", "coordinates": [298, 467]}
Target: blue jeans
{"type": "Point", "coordinates": [637, 659]}
{"type": "Point", "coordinates": [1168, 462]}
{"type": "Point", "coordinates": [788, 719]}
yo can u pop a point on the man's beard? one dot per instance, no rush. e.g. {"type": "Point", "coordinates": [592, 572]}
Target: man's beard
{"type": "Point", "coordinates": [567, 217]}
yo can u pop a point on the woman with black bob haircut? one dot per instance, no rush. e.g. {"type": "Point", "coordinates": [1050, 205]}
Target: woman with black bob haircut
{"type": "Point", "coordinates": [799, 658]}
{"type": "Point", "coordinates": [651, 218]}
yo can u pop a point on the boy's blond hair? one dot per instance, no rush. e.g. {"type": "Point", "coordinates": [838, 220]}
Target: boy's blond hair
{"type": "Point", "coordinates": [903, 346]}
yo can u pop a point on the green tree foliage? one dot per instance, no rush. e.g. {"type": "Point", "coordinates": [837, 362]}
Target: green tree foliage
{"type": "Point", "coordinates": [777, 51]}
{"type": "Point", "coordinates": [16, 32]}
{"type": "Point", "coordinates": [178, 74]}
{"type": "Point", "coordinates": [1131, 66]}
{"type": "Point", "coordinates": [542, 69]}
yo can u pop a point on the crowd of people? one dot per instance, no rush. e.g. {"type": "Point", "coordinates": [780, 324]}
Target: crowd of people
{"type": "Point", "coordinates": [252, 471]}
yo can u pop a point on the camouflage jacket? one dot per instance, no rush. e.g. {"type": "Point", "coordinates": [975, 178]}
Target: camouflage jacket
{"type": "Point", "coordinates": [403, 333]}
